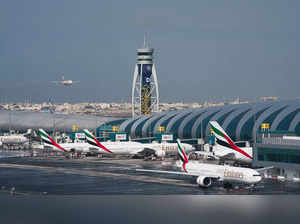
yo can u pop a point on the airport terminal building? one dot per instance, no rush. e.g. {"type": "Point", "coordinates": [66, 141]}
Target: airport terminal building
{"type": "Point", "coordinates": [240, 121]}
{"type": "Point", "coordinates": [281, 153]}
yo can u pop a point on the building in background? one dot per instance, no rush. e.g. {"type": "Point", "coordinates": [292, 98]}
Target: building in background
{"type": "Point", "coordinates": [241, 121]}
{"type": "Point", "coordinates": [283, 153]}
{"type": "Point", "coordinates": [145, 95]}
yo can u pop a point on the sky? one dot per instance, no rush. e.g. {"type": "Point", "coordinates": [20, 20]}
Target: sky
{"type": "Point", "coordinates": [204, 50]}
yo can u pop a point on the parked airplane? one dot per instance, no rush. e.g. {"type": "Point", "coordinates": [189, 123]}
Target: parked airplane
{"type": "Point", "coordinates": [135, 148]}
{"type": "Point", "coordinates": [206, 174]}
{"type": "Point", "coordinates": [65, 82]}
{"type": "Point", "coordinates": [66, 147]}
{"type": "Point", "coordinates": [93, 145]}
{"type": "Point", "coordinates": [226, 148]}
{"type": "Point", "coordinates": [15, 138]}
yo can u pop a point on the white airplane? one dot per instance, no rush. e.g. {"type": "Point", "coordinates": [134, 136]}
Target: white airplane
{"type": "Point", "coordinates": [66, 147]}
{"type": "Point", "coordinates": [65, 82]}
{"type": "Point", "coordinates": [135, 148]}
{"type": "Point", "coordinates": [206, 174]}
{"type": "Point", "coordinates": [15, 138]}
{"type": "Point", "coordinates": [93, 145]}
{"type": "Point", "coordinates": [226, 148]}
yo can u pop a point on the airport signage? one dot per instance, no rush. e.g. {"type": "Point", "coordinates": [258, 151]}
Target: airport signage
{"type": "Point", "coordinates": [120, 137]}
{"type": "Point", "coordinates": [265, 126]}
{"type": "Point", "coordinates": [79, 135]}
{"type": "Point", "coordinates": [167, 137]}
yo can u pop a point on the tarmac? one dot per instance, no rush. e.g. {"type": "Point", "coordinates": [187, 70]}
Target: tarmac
{"type": "Point", "coordinates": [109, 176]}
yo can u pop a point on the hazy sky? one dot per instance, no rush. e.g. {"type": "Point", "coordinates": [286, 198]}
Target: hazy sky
{"type": "Point", "coordinates": [204, 49]}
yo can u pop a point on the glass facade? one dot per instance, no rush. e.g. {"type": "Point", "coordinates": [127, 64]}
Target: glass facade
{"type": "Point", "coordinates": [222, 119]}
{"type": "Point", "coordinates": [272, 116]}
{"type": "Point", "coordinates": [204, 124]}
{"type": "Point", "coordinates": [176, 125]}
{"type": "Point", "coordinates": [248, 126]}
{"type": "Point", "coordinates": [144, 53]}
{"type": "Point", "coordinates": [138, 130]}
{"type": "Point", "coordinates": [278, 155]}
{"type": "Point", "coordinates": [285, 123]}
{"type": "Point", "coordinates": [234, 123]}
{"type": "Point", "coordinates": [238, 126]}
{"type": "Point", "coordinates": [188, 127]}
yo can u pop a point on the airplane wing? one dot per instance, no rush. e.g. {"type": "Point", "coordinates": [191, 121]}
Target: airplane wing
{"type": "Point", "coordinates": [224, 154]}
{"type": "Point", "coordinates": [164, 171]}
{"type": "Point", "coordinates": [144, 151]}
{"type": "Point", "coordinates": [178, 173]}
{"type": "Point", "coordinates": [229, 156]}
{"type": "Point", "coordinates": [264, 168]}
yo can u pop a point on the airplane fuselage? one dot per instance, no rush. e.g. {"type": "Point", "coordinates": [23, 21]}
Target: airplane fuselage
{"type": "Point", "coordinates": [169, 148]}
{"type": "Point", "coordinates": [220, 151]}
{"type": "Point", "coordinates": [67, 82]}
{"type": "Point", "coordinates": [13, 139]}
{"type": "Point", "coordinates": [122, 148]}
{"type": "Point", "coordinates": [225, 173]}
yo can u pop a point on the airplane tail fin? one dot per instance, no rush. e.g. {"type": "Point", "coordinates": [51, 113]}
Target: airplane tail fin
{"type": "Point", "coordinates": [91, 139]}
{"type": "Point", "coordinates": [224, 140]}
{"type": "Point", "coordinates": [182, 155]}
{"type": "Point", "coordinates": [49, 141]}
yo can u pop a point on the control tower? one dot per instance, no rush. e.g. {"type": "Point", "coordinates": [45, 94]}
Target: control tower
{"type": "Point", "coordinates": [145, 96]}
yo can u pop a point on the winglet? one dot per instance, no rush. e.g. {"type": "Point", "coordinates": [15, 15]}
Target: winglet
{"type": "Point", "coordinates": [47, 139]}
{"type": "Point", "coordinates": [182, 155]}
{"type": "Point", "coordinates": [91, 139]}
{"type": "Point", "coordinates": [224, 140]}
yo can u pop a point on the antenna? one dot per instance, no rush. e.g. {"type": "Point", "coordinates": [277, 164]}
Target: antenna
{"type": "Point", "coordinates": [145, 45]}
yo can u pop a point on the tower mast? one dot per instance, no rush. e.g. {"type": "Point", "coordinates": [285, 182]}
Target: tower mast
{"type": "Point", "coordinates": [145, 95]}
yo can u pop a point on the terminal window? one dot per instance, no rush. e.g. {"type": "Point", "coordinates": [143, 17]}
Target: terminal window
{"type": "Point", "coordinates": [279, 157]}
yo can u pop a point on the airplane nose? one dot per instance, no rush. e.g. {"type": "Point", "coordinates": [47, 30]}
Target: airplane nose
{"type": "Point", "coordinates": [258, 179]}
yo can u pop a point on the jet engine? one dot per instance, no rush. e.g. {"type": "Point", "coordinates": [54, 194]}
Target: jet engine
{"type": "Point", "coordinates": [160, 153]}
{"type": "Point", "coordinates": [203, 181]}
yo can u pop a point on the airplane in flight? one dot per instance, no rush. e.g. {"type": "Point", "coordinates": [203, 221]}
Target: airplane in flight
{"type": "Point", "coordinates": [207, 174]}
{"type": "Point", "coordinates": [136, 148]}
{"type": "Point", "coordinates": [226, 148]}
{"type": "Point", "coordinates": [65, 82]}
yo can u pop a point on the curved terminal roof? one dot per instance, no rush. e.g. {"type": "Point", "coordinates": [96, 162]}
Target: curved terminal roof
{"type": "Point", "coordinates": [21, 121]}
{"type": "Point", "coordinates": [240, 121]}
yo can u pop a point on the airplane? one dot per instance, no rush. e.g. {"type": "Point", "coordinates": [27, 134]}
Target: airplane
{"type": "Point", "coordinates": [93, 145]}
{"type": "Point", "coordinates": [65, 82]}
{"type": "Point", "coordinates": [135, 148]}
{"type": "Point", "coordinates": [15, 138]}
{"type": "Point", "coordinates": [82, 147]}
{"type": "Point", "coordinates": [206, 174]}
{"type": "Point", "coordinates": [227, 149]}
